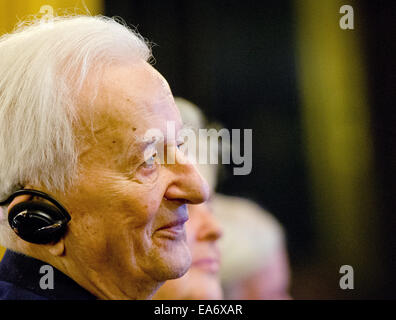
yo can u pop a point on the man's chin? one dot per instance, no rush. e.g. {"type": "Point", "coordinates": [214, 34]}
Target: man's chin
{"type": "Point", "coordinates": [174, 262]}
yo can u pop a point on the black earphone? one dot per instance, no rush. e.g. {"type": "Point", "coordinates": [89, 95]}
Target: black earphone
{"type": "Point", "coordinates": [36, 221]}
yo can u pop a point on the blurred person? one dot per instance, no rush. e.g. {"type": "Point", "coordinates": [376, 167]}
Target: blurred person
{"type": "Point", "coordinates": [84, 190]}
{"type": "Point", "coordinates": [254, 256]}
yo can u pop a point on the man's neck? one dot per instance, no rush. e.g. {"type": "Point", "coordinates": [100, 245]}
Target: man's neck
{"type": "Point", "coordinates": [104, 285]}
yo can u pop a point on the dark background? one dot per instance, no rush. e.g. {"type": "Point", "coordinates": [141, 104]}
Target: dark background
{"type": "Point", "coordinates": [237, 61]}
{"type": "Point", "coordinates": [380, 51]}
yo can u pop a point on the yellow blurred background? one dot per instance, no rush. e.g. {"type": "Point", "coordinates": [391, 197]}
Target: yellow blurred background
{"type": "Point", "coordinates": [13, 11]}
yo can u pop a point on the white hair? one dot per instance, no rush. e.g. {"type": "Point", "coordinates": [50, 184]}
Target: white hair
{"type": "Point", "coordinates": [250, 236]}
{"type": "Point", "coordinates": [43, 66]}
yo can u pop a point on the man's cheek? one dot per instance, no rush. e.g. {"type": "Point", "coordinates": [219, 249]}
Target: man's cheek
{"type": "Point", "coordinates": [135, 216]}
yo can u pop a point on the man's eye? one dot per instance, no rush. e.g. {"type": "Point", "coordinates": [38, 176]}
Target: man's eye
{"type": "Point", "coordinates": [150, 162]}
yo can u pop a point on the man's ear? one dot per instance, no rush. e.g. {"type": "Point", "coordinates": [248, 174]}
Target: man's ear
{"type": "Point", "coordinates": [57, 249]}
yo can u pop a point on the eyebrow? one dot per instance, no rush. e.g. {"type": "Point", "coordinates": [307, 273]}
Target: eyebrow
{"type": "Point", "coordinates": [139, 145]}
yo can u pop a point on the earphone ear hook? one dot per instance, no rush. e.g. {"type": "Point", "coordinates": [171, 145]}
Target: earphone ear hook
{"type": "Point", "coordinates": [17, 194]}
{"type": "Point", "coordinates": [40, 194]}
{"type": "Point", "coordinates": [37, 221]}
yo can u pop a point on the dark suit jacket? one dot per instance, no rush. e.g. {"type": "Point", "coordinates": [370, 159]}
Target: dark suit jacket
{"type": "Point", "coordinates": [20, 280]}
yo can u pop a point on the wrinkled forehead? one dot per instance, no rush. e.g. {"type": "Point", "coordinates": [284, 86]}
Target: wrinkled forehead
{"type": "Point", "coordinates": [130, 100]}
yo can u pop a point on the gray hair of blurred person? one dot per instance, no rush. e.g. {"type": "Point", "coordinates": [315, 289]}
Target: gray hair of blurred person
{"type": "Point", "coordinates": [252, 237]}
{"type": "Point", "coordinates": [43, 67]}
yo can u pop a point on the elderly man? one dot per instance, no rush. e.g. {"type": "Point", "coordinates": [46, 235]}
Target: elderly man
{"type": "Point", "coordinates": [86, 193]}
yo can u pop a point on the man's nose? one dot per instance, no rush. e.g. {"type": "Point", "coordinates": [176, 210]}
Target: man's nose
{"type": "Point", "coordinates": [187, 184]}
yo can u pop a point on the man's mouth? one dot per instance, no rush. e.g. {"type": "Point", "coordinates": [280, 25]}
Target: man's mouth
{"type": "Point", "coordinates": [174, 229]}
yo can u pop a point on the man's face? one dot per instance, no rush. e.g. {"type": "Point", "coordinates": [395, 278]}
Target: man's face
{"type": "Point", "coordinates": [128, 211]}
